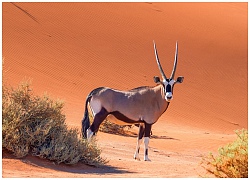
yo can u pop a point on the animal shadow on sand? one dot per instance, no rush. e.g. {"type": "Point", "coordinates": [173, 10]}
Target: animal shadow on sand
{"type": "Point", "coordinates": [152, 136]}
{"type": "Point", "coordinates": [163, 137]}
{"type": "Point", "coordinates": [78, 168]}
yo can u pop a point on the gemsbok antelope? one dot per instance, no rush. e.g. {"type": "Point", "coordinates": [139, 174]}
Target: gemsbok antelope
{"type": "Point", "coordinates": [142, 105]}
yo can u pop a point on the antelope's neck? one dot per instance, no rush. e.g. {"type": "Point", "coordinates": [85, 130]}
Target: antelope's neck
{"type": "Point", "coordinates": [163, 104]}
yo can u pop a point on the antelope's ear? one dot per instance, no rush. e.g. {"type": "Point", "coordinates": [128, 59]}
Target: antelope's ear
{"type": "Point", "coordinates": [157, 79]}
{"type": "Point", "coordinates": [180, 79]}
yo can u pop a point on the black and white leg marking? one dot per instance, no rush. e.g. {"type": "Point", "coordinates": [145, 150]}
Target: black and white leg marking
{"type": "Point", "coordinates": [98, 119]}
{"type": "Point", "coordinates": [139, 141]}
{"type": "Point", "coordinates": [144, 131]}
{"type": "Point", "coordinates": [146, 140]}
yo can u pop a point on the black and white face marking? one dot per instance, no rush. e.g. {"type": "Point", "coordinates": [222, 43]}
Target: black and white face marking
{"type": "Point", "coordinates": [168, 89]}
{"type": "Point", "coordinates": [168, 84]}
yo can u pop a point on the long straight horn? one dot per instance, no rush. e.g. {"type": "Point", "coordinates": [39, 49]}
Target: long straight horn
{"type": "Point", "coordinates": [158, 63]}
{"type": "Point", "coordinates": [175, 61]}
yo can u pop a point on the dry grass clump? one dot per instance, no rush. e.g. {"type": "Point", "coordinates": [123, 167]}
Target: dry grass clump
{"type": "Point", "coordinates": [36, 125]}
{"type": "Point", "coordinates": [110, 127]}
{"type": "Point", "coordinates": [232, 160]}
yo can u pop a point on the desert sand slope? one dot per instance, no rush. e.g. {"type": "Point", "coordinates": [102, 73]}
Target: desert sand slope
{"type": "Point", "coordinates": [68, 49]}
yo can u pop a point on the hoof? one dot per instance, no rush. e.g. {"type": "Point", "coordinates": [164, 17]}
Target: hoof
{"type": "Point", "coordinates": [137, 158]}
{"type": "Point", "coordinates": [147, 159]}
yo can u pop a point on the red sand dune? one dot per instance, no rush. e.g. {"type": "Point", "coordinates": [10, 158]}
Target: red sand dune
{"type": "Point", "coordinates": [68, 49]}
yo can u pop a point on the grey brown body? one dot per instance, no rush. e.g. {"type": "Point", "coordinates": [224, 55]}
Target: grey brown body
{"type": "Point", "coordinates": [143, 105]}
{"type": "Point", "coordinates": [130, 103]}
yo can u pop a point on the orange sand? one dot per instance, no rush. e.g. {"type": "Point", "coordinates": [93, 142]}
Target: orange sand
{"type": "Point", "coordinates": [68, 49]}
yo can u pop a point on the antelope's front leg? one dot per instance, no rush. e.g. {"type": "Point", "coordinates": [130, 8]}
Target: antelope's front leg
{"type": "Point", "coordinates": [136, 156]}
{"type": "Point", "coordinates": [139, 141]}
{"type": "Point", "coordinates": [146, 141]}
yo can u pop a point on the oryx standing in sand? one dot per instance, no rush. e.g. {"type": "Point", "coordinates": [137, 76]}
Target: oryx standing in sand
{"type": "Point", "coordinates": [143, 105]}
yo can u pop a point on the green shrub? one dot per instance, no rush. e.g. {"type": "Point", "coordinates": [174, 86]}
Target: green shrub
{"type": "Point", "coordinates": [36, 125]}
{"type": "Point", "coordinates": [232, 160]}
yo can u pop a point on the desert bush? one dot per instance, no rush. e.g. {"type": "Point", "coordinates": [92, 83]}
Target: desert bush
{"type": "Point", "coordinates": [232, 160]}
{"type": "Point", "coordinates": [36, 125]}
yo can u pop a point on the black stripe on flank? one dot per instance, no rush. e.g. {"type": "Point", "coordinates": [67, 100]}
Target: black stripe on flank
{"type": "Point", "coordinates": [98, 119]}
{"type": "Point", "coordinates": [123, 118]}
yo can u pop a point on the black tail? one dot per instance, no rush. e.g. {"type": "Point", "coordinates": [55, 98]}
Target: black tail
{"type": "Point", "coordinates": [85, 121]}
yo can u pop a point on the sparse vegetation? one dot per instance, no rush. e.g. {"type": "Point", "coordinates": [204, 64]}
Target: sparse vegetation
{"type": "Point", "coordinates": [36, 125]}
{"type": "Point", "coordinates": [232, 160]}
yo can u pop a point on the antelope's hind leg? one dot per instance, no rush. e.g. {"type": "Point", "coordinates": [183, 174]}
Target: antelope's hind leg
{"type": "Point", "coordinates": [139, 141]}
{"type": "Point", "coordinates": [98, 119]}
